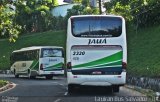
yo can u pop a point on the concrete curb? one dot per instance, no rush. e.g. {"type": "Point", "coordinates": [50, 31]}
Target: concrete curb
{"type": "Point", "coordinates": [133, 88]}
{"type": "Point", "coordinates": [139, 89]}
{"type": "Point", "coordinates": [151, 94]}
{"type": "Point", "coordinates": [7, 87]}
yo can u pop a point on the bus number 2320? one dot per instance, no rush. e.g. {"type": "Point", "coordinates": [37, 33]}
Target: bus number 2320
{"type": "Point", "coordinates": [79, 53]}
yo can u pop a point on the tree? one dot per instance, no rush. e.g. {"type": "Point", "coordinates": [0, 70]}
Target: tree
{"type": "Point", "coordinates": [100, 8]}
{"type": "Point", "coordinates": [22, 16]}
{"type": "Point", "coordinates": [77, 1]}
{"type": "Point", "coordinates": [8, 28]}
{"type": "Point", "coordinates": [141, 12]}
{"type": "Point", "coordinates": [83, 8]}
{"type": "Point", "coordinates": [34, 15]}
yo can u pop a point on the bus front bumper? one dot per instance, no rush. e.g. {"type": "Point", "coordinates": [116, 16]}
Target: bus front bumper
{"type": "Point", "coordinates": [57, 72]}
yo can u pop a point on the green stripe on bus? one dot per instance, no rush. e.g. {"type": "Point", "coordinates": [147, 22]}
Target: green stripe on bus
{"type": "Point", "coordinates": [112, 64]}
{"type": "Point", "coordinates": [35, 65]}
{"type": "Point", "coordinates": [111, 58]}
{"type": "Point", "coordinates": [102, 67]}
{"type": "Point", "coordinates": [56, 66]}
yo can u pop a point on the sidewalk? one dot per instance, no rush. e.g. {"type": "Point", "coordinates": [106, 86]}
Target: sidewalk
{"type": "Point", "coordinates": [7, 87]}
{"type": "Point", "coordinates": [154, 96]}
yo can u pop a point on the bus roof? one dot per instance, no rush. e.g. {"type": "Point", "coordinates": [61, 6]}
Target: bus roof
{"type": "Point", "coordinates": [36, 47]}
{"type": "Point", "coordinates": [96, 16]}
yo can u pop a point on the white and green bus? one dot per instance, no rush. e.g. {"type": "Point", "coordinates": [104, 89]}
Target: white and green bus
{"type": "Point", "coordinates": [96, 53]}
{"type": "Point", "coordinates": [38, 61]}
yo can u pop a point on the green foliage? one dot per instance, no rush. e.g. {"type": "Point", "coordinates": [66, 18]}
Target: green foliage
{"type": "Point", "coordinates": [57, 23]}
{"type": "Point", "coordinates": [8, 28]}
{"type": "Point", "coordinates": [148, 13]}
{"type": "Point", "coordinates": [141, 12]}
{"type": "Point", "coordinates": [85, 3]}
{"type": "Point", "coordinates": [42, 8]}
{"type": "Point", "coordinates": [76, 10]}
{"type": "Point", "coordinates": [34, 16]}
{"type": "Point", "coordinates": [29, 16]}
{"type": "Point", "coordinates": [77, 1]}
{"type": "Point", "coordinates": [55, 2]}
{"type": "Point", "coordinates": [82, 9]}
{"type": "Point", "coordinates": [87, 10]}
{"type": "Point", "coordinates": [143, 52]}
{"type": "Point", "coordinates": [3, 83]}
{"type": "Point", "coordinates": [119, 9]}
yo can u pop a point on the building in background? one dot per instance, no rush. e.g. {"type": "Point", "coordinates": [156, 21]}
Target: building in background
{"type": "Point", "coordinates": [64, 5]}
{"type": "Point", "coordinates": [61, 10]}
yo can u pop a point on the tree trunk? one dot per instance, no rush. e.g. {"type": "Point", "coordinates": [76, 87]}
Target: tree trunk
{"type": "Point", "coordinates": [100, 8]}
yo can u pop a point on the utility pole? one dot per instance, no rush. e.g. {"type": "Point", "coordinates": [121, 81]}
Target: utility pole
{"type": "Point", "coordinates": [100, 8]}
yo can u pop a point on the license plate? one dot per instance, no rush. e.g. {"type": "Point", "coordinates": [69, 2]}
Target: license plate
{"type": "Point", "coordinates": [97, 72]}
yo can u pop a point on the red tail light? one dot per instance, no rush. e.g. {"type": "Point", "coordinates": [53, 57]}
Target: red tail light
{"type": "Point", "coordinates": [41, 67]}
{"type": "Point", "coordinates": [124, 65]}
{"type": "Point", "coordinates": [69, 65]}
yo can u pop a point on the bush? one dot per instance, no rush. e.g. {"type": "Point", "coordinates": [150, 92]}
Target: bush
{"type": "Point", "coordinates": [142, 13]}
{"type": "Point", "coordinates": [3, 83]}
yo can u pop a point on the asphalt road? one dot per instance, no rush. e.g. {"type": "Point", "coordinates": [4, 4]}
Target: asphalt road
{"type": "Point", "coordinates": [55, 90]}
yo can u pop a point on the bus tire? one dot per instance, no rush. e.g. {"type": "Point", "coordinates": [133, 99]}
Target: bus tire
{"type": "Point", "coordinates": [15, 74]}
{"type": "Point", "coordinates": [115, 88]}
{"type": "Point", "coordinates": [49, 76]}
{"type": "Point", "coordinates": [30, 75]}
{"type": "Point", "coordinates": [70, 89]}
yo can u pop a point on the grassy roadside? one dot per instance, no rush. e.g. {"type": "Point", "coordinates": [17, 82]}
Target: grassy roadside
{"type": "Point", "coordinates": [144, 52]}
{"type": "Point", "coordinates": [147, 92]}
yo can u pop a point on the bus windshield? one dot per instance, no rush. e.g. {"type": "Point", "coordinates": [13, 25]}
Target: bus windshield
{"type": "Point", "coordinates": [96, 26]}
{"type": "Point", "coordinates": [50, 52]}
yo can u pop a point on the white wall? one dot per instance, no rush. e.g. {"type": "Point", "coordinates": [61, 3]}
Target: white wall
{"type": "Point", "coordinates": [61, 10]}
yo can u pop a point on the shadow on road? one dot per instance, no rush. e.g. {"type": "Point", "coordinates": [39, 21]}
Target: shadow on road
{"type": "Point", "coordinates": [39, 78]}
{"type": "Point", "coordinates": [91, 91]}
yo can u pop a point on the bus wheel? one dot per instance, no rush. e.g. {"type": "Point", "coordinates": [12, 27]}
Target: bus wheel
{"type": "Point", "coordinates": [49, 76]}
{"type": "Point", "coordinates": [30, 76]}
{"type": "Point", "coordinates": [115, 88]}
{"type": "Point", "coordinates": [16, 75]}
{"type": "Point", "coordinates": [70, 89]}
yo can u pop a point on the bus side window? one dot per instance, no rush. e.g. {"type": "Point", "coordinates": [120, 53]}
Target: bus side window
{"type": "Point", "coordinates": [17, 56]}
{"type": "Point", "coordinates": [23, 56]}
{"type": "Point", "coordinates": [32, 55]}
{"type": "Point", "coordinates": [37, 54]}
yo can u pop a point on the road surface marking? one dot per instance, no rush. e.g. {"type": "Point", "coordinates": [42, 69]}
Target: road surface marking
{"type": "Point", "coordinates": [55, 82]}
{"type": "Point", "coordinates": [57, 100]}
{"type": "Point", "coordinates": [66, 93]}
{"type": "Point", "coordinates": [61, 84]}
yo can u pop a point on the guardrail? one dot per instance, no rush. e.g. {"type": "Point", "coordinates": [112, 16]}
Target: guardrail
{"type": "Point", "coordinates": [145, 82]}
